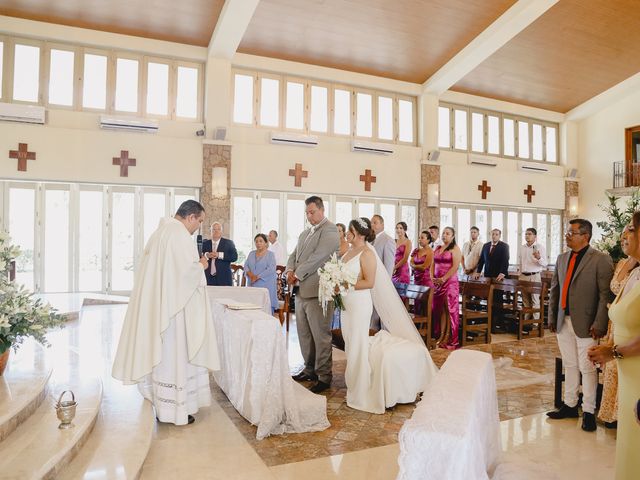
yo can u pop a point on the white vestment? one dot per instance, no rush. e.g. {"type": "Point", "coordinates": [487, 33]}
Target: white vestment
{"type": "Point", "coordinates": [168, 342]}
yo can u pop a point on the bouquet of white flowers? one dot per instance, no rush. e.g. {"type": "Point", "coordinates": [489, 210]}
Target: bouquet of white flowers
{"type": "Point", "coordinates": [335, 281]}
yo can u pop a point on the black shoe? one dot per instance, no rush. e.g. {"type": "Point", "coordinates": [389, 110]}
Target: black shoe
{"type": "Point", "coordinates": [611, 425]}
{"type": "Point", "coordinates": [319, 387]}
{"type": "Point", "coordinates": [190, 419]}
{"type": "Point", "coordinates": [588, 422]}
{"type": "Point", "coordinates": [564, 411]}
{"type": "Point", "coordinates": [303, 377]}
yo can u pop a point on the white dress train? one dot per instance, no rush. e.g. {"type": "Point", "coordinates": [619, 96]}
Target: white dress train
{"type": "Point", "coordinates": [391, 367]}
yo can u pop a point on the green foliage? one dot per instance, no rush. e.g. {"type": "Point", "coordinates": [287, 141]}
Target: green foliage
{"type": "Point", "coordinates": [616, 219]}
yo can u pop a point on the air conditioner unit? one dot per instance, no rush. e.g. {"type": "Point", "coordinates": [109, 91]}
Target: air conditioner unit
{"type": "Point", "coordinates": [296, 139]}
{"type": "Point", "coordinates": [370, 147]}
{"type": "Point", "coordinates": [532, 167]}
{"type": "Point", "coordinates": [482, 161]}
{"type": "Point", "coordinates": [13, 112]}
{"type": "Point", "coordinates": [129, 123]}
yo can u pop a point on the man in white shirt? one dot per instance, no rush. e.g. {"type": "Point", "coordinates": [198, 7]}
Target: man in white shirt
{"type": "Point", "coordinates": [434, 230]}
{"type": "Point", "coordinates": [277, 248]}
{"type": "Point", "coordinates": [471, 252]}
{"type": "Point", "coordinates": [532, 259]}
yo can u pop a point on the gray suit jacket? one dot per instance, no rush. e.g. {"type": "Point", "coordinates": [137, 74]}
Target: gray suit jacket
{"type": "Point", "coordinates": [385, 246]}
{"type": "Point", "coordinates": [310, 255]}
{"type": "Point", "coordinates": [588, 296]}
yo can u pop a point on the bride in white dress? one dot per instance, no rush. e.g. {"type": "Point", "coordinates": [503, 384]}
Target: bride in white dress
{"type": "Point", "coordinates": [393, 366]}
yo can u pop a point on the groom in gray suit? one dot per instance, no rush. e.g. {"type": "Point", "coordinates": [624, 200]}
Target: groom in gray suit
{"type": "Point", "coordinates": [315, 246]}
{"type": "Point", "coordinates": [578, 312]}
{"type": "Point", "coordinates": [385, 247]}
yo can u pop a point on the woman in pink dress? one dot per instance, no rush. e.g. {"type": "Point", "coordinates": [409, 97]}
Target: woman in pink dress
{"type": "Point", "coordinates": [403, 248]}
{"type": "Point", "coordinates": [444, 272]}
{"type": "Point", "coordinates": [421, 259]}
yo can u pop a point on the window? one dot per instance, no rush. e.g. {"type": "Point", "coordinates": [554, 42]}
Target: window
{"type": "Point", "coordinates": [295, 221]}
{"type": "Point", "coordinates": [295, 106]}
{"type": "Point", "coordinates": [94, 92]}
{"type": "Point", "coordinates": [319, 107]}
{"type": "Point", "coordinates": [122, 245]}
{"type": "Point", "coordinates": [22, 201]}
{"type": "Point", "coordinates": [523, 139]}
{"type": "Point", "coordinates": [269, 214]}
{"type": "Point", "coordinates": [90, 250]}
{"type": "Point", "coordinates": [508, 129]}
{"type": "Point", "coordinates": [269, 102]}
{"type": "Point", "coordinates": [366, 209]}
{"type": "Point", "coordinates": [460, 129]}
{"type": "Point", "coordinates": [446, 217]}
{"type": "Point", "coordinates": [536, 141]}
{"type": "Point", "coordinates": [493, 134]}
{"type": "Point", "coordinates": [61, 77]}
{"type": "Point", "coordinates": [344, 213]}
{"type": "Point", "coordinates": [385, 118]}
{"type": "Point", "coordinates": [388, 213]}
{"type": "Point", "coordinates": [444, 129]}
{"type": "Point", "coordinates": [463, 232]}
{"type": "Point", "coordinates": [157, 88]}
{"type": "Point", "coordinates": [1, 65]}
{"type": "Point", "coordinates": [556, 237]}
{"type": "Point", "coordinates": [126, 85]}
{"type": "Point", "coordinates": [551, 144]}
{"type": "Point", "coordinates": [405, 121]}
{"type": "Point", "coordinates": [527, 222]}
{"type": "Point", "coordinates": [56, 237]}
{"type": "Point", "coordinates": [187, 93]}
{"type": "Point", "coordinates": [497, 221]}
{"type": "Point", "coordinates": [342, 112]}
{"type": "Point", "coordinates": [153, 210]}
{"type": "Point", "coordinates": [243, 99]}
{"type": "Point", "coordinates": [482, 222]}
{"type": "Point", "coordinates": [26, 73]}
{"type": "Point", "coordinates": [364, 115]}
{"type": "Point", "coordinates": [477, 132]}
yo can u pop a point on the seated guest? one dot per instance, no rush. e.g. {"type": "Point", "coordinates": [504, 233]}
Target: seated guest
{"type": "Point", "coordinates": [421, 259]}
{"type": "Point", "coordinates": [344, 245]}
{"type": "Point", "coordinates": [403, 249]}
{"type": "Point", "coordinates": [221, 253]}
{"type": "Point", "coordinates": [260, 269]}
{"type": "Point", "coordinates": [277, 248]}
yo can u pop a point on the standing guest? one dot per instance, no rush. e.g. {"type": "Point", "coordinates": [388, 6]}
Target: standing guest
{"type": "Point", "coordinates": [421, 259]}
{"type": "Point", "coordinates": [221, 253]}
{"type": "Point", "coordinates": [532, 259]}
{"type": "Point", "coordinates": [315, 246]}
{"type": "Point", "coordinates": [403, 249]}
{"type": "Point", "coordinates": [436, 241]}
{"type": "Point", "coordinates": [277, 248]}
{"type": "Point", "coordinates": [384, 245]}
{"type": "Point", "coordinates": [578, 312]}
{"type": "Point", "coordinates": [471, 251]}
{"type": "Point", "coordinates": [608, 411]}
{"type": "Point", "coordinates": [168, 341]}
{"type": "Point", "coordinates": [625, 315]}
{"type": "Point", "coordinates": [445, 309]}
{"type": "Point", "coordinates": [344, 244]}
{"type": "Point", "coordinates": [494, 258]}
{"type": "Point", "coordinates": [260, 268]}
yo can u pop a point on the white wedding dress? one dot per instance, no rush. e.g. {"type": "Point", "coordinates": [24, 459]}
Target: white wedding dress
{"type": "Point", "coordinates": [391, 367]}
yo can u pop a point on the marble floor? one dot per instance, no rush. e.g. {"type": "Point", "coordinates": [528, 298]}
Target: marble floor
{"type": "Point", "coordinates": [221, 445]}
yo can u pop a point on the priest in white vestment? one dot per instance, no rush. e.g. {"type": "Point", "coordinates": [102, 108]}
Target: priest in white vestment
{"type": "Point", "coordinates": [168, 343]}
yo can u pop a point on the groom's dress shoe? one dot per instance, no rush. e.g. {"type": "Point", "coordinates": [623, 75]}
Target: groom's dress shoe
{"type": "Point", "coordinates": [320, 387]}
{"type": "Point", "coordinates": [565, 411]}
{"type": "Point", "coordinates": [588, 422]}
{"type": "Point", "coordinates": [303, 377]}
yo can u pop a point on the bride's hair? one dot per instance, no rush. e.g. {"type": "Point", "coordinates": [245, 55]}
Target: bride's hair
{"type": "Point", "coordinates": [362, 226]}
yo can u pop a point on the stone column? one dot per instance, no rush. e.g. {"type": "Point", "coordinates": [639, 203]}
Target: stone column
{"type": "Point", "coordinates": [570, 190]}
{"type": "Point", "coordinates": [217, 209]}
{"type": "Point", "coordinates": [429, 214]}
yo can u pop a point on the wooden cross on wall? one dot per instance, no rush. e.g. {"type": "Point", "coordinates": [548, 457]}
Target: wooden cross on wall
{"type": "Point", "coordinates": [125, 162]}
{"type": "Point", "coordinates": [299, 174]}
{"type": "Point", "coordinates": [368, 179]}
{"type": "Point", "coordinates": [22, 154]}
{"type": "Point", "coordinates": [484, 188]}
{"type": "Point", "coordinates": [529, 192]}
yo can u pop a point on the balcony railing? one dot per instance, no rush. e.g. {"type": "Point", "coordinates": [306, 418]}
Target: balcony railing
{"type": "Point", "coordinates": [623, 177]}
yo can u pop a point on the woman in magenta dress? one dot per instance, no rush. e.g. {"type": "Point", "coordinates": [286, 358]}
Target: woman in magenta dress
{"type": "Point", "coordinates": [421, 260]}
{"type": "Point", "coordinates": [444, 272]}
{"type": "Point", "coordinates": [403, 248]}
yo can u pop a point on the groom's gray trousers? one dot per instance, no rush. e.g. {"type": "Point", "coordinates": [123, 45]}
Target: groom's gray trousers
{"type": "Point", "coordinates": [314, 335]}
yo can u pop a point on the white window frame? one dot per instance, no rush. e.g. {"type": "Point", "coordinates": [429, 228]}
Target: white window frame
{"type": "Point", "coordinates": [77, 73]}
{"type": "Point", "coordinates": [258, 99]}
{"type": "Point", "coordinates": [284, 100]}
{"type": "Point", "coordinates": [173, 85]}
{"type": "Point", "coordinates": [42, 80]}
{"type": "Point", "coordinates": [374, 113]}
{"type": "Point", "coordinates": [414, 119]}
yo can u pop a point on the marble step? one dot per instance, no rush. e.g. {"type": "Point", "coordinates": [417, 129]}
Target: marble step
{"type": "Point", "coordinates": [23, 387]}
{"type": "Point", "coordinates": [37, 448]}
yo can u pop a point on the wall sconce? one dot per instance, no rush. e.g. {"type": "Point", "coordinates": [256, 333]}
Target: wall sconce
{"type": "Point", "coordinates": [219, 182]}
{"type": "Point", "coordinates": [573, 205]}
{"type": "Point", "coordinates": [433, 195]}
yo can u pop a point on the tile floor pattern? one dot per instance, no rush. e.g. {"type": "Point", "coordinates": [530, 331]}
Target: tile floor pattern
{"type": "Point", "coordinates": [352, 430]}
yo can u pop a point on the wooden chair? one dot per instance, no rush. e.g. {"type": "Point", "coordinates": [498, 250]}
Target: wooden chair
{"type": "Point", "coordinates": [237, 275]}
{"type": "Point", "coordinates": [284, 296]}
{"type": "Point", "coordinates": [476, 315]}
{"type": "Point", "coordinates": [531, 288]}
{"type": "Point", "coordinates": [505, 302]}
{"type": "Point", "coordinates": [419, 299]}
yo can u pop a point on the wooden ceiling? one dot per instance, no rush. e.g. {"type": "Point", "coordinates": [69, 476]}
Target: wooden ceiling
{"type": "Point", "coordinates": [576, 50]}
{"type": "Point", "coordinates": [187, 21]}
{"type": "Point", "coordinates": [402, 39]}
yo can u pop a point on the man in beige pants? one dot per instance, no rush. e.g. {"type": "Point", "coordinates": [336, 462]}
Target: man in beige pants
{"type": "Point", "coordinates": [532, 259]}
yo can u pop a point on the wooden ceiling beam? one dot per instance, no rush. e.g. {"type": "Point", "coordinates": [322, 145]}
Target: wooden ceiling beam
{"type": "Point", "coordinates": [507, 26]}
{"type": "Point", "coordinates": [232, 24]}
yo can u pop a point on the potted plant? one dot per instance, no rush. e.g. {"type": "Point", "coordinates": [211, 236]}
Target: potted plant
{"type": "Point", "coordinates": [21, 315]}
{"type": "Point", "coordinates": [616, 219]}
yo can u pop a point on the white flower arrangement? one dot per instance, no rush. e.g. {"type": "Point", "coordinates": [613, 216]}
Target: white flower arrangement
{"type": "Point", "coordinates": [335, 281]}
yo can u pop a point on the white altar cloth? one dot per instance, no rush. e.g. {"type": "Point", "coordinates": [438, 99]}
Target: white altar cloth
{"type": "Point", "coordinates": [454, 432]}
{"type": "Point", "coordinates": [255, 295]}
{"type": "Point", "coordinates": [255, 374]}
